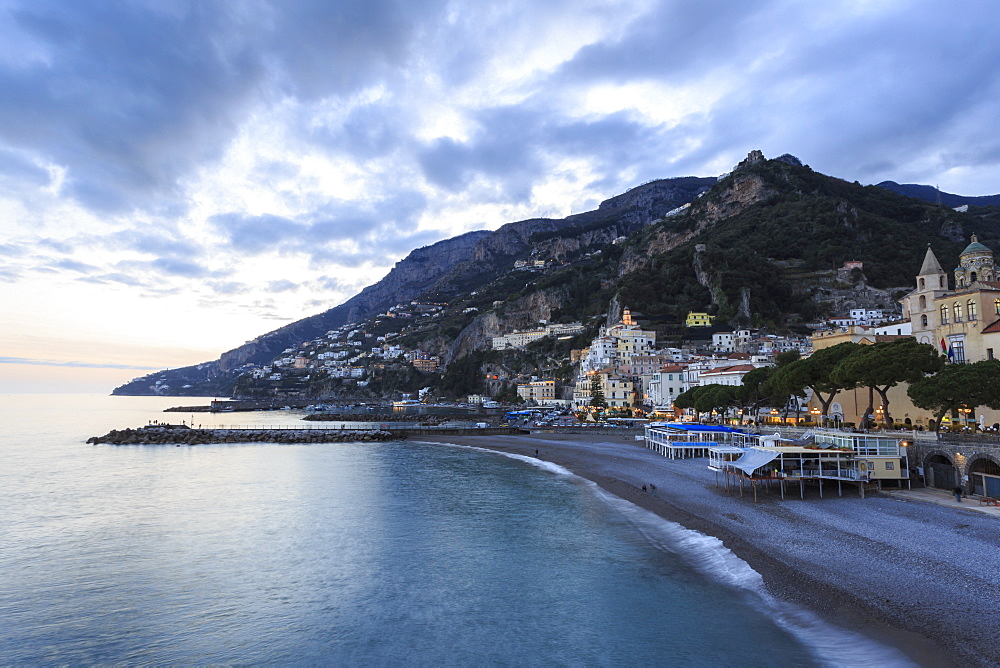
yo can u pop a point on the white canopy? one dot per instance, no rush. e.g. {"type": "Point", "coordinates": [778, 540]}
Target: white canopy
{"type": "Point", "coordinates": [754, 459]}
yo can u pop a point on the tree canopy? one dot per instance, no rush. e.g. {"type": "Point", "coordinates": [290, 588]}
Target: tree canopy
{"type": "Point", "coordinates": [958, 386]}
{"type": "Point", "coordinates": [884, 365]}
{"type": "Point", "coordinates": [814, 372]}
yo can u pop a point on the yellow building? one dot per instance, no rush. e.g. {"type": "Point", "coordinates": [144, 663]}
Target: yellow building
{"type": "Point", "coordinates": [698, 320]}
{"type": "Point", "coordinates": [962, 324]}
{"type": "Point", "coordinates": [539, 391]}
{"type": "Point", "coordinates": [618, 392]}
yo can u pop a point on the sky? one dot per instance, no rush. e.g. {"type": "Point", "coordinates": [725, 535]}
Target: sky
{"type": "Point", "coordinates": [178, 177]}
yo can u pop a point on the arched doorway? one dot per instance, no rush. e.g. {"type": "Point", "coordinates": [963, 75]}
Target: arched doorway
{"type": "Point", "coordinates": [939, 472]}
{"type": "Point", "coordinates": [985, 476]}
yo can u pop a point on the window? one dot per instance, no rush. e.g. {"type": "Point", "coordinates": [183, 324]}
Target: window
{"type": "Point", "coordinates": [923, 321]}
{"type": "Point", "coordinates": [921, 285]}
{"type": "Point", "coordinates": [970, 309]}
{"type": "Point", "coordinates": [996, 305]}
{"type": "Point", "coordinates": [923, 303]}
{"type": "Point", "coordinates": [944, 314]}
{"type": "Point", "coordinates": [989, 353]}
{"type": "Point", "coordinates": [890, 466]}
{"type": "Point", "coordinates": [956, 310]}
{"type": "Point", "coordinates": [958, 351]}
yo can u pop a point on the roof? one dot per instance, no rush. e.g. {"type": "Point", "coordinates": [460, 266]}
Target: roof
{"type": "Point", "coordinates": [719, 371]}
{"type": "Point", "coordinates": [992, 329]}
{"type": "Point", "coordinates": [975, 247]}
{"type": "Point", "coordinates": [695, 426]}
{"type": "Point", "coordinates": [753, 459]}
{"type": "Point", "coordinates": [931, 264]}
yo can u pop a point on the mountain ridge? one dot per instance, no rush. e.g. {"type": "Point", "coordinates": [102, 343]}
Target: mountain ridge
{"type": "Point", "coordinates": [441, 269]}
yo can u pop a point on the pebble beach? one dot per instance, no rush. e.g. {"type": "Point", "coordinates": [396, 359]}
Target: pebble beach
{"type": "Point", "coordinates": [921, 577]}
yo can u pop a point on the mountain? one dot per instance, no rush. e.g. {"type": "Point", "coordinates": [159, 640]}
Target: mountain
{"type": "Point", "coordinates": [933, 195]}
{"type": "Point", "coordinates": [764, 246]}
{"type": "Point", "coordinates": [441, 271]}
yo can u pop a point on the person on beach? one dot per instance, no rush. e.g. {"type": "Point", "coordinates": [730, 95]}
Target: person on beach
{"type": "Point", "coordinates": [958, 494]}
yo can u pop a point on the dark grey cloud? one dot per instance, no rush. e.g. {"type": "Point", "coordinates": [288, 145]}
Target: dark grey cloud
{"type": "Point", "coordinates": [17, 170]}
{"type": "Point", "coordinates": [73, 265]}
{"type": "Point", "coordinates": [257, 234]}
{"type": "Point", "coordinates": [181, 268]}
{"type": "Point", "coordinates": [152, 240]}
{"type": "Point", "coordinates": [283, 285]}
{"type": "Point", "coordinates": [9, 274]}
{"type": "Point", "coordinates": [677, 42]}
{"type": "Point", "coordinates": [228, 287]}
{"type": "Point", "coordinates": [132, 96]}
{"type": "Point", "coordinates": [12, 250]}
{"type": "Point", "coordinates": [376, 230]}
{"type": "Point", "coordinates": [852, 90]}
{"type": "Point", "coordinates": [131, 280]}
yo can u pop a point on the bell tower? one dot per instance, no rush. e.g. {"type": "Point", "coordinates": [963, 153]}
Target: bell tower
{"type": "Point", "coordinates": [918, 306]}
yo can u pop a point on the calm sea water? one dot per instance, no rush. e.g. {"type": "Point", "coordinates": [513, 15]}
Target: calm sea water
{"type": "Point", "coordinates": [350, 554]}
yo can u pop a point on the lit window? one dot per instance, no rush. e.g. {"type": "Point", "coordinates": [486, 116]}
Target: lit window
{"type": "Point", "coordinates": [956, 310]}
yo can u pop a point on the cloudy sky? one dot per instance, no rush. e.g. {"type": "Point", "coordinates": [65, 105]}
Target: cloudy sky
{"type": "Point", "coordinates": [178, 177]}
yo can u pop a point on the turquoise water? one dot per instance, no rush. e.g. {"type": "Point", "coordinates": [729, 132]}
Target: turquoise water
{"type": "Point", "coordinates": [348, 554]}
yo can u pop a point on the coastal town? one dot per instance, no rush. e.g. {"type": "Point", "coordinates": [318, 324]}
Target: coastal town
{"type": "Point", "coordinates": [744, 382]}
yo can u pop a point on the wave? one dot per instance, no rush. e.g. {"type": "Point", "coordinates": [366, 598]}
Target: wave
{"type": "Point", "coordinates": [707, 555]}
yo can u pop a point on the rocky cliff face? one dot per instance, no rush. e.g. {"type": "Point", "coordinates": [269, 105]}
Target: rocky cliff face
{"type": "Point", "coordinates": [740, 191]}
{"type": "Point", "coordinates": [517, 314]}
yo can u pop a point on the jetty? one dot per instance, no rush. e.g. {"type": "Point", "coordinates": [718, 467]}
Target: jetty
{"type": "Point", "coordinates": [173, 434]}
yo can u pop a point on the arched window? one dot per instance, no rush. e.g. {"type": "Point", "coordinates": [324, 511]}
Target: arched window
{"type": "Point", "coordinates": [970, 309]}
{"type": "Point", "coordinates": [923, 303]}
{"type": "Point", "coordinates": [996, 305]}
{"type": "Point", "coordinates": [941, 282]}
{"type": "Point", "coordinates": [923, 321]}
{"type": "Point", "coordinates": [944, 314]}
{"type": "Point", "coordinates": [921, 284]}
{"type": "Point", "coordinates": [972, 277]}
{"type": "Point", "coordinates": [956, 311]}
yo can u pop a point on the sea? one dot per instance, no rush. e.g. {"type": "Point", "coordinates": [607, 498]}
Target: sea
{"type": "Point", "coordinates": [354, 554]}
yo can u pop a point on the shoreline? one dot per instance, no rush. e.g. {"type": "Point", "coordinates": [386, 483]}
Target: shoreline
{"type": "Point", "coordinates": [862, 581]}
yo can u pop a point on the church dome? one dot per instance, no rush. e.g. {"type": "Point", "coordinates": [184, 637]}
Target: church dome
{"type": "Point", "coordinates": [975, 247]}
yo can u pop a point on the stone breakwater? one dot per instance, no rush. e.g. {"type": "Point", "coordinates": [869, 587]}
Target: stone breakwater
{"type": "Point", "coordinates": [187, 436]}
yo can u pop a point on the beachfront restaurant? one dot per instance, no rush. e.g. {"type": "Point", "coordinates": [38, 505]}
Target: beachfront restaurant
{"type": "Point", "coordinates": [680, 440]}
{"type": "Point", "coordinates": [782, 464]}
{"type": "Point", "coordinates": [881, 459]}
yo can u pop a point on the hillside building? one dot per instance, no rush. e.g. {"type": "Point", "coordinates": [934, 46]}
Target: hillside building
{"type": "Point", "coordinates": [539, 391]}
{"type": "Point", "coordinates": [698, 320]}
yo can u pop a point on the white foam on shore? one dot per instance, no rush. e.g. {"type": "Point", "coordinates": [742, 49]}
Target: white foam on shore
{"type": "Point", "coordinates": [707, 555]}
